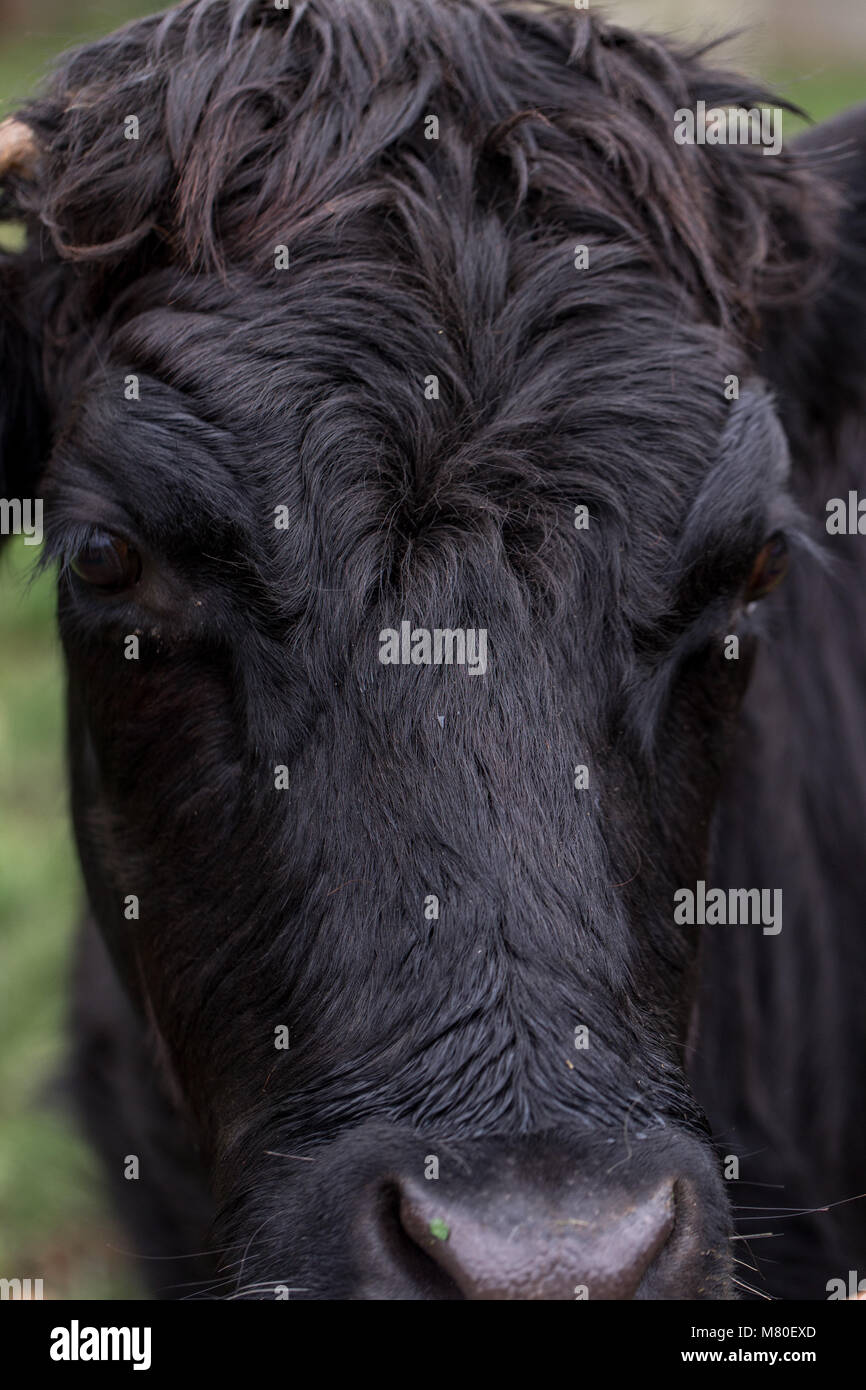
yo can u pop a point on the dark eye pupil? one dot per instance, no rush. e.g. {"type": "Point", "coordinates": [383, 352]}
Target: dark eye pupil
{"type": "Point", "coordinates": [107, 562]}
{"type": "Point", "coordinates": [769, 568]}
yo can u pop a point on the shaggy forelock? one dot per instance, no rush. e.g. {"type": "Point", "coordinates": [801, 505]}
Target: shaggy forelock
{"type": "Point", "coordinates": [260, 126]}
{"type": "Point", "coordinates": [411, 257]}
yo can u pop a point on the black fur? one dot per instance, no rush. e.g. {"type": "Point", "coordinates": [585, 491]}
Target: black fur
{"type": "Point", "coordinates": [259, 647]}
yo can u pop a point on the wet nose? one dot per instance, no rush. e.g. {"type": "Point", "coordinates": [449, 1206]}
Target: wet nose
{"type": "Point", "coordinates": [528, 1247]}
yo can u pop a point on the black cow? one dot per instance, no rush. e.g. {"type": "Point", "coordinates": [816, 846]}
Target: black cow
{"type": "Point", "coordinates": [423, 393]}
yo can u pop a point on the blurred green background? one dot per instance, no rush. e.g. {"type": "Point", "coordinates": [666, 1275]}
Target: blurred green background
{"type": "Point", "coordinates": [54, 1224]}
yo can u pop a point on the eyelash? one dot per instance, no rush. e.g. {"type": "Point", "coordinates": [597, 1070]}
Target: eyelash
{"type": "Point", "coordinates": [61, 543]}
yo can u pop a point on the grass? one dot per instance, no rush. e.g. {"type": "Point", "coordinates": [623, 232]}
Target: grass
{"type": "Point", "coordinates": [26, 56]}
{"type": "Point", "coordinates": [820, 92]}
{"type": "Point", "coordinates": [53, 1221]}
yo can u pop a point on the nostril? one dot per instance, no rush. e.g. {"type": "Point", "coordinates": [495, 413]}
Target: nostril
{"type": "Point", "coordinates": [413, 1267]}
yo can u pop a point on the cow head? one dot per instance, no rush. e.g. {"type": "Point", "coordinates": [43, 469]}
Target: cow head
{"type": "Point", "coordinates": [337, 330]}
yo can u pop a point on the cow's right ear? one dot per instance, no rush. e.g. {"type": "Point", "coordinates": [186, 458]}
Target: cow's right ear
{"type": "Point", "coordinates": [23, 413]}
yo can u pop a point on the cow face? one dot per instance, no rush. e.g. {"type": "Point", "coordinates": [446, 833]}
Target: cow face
{"type": "Point", "coordinates": [412, 508]}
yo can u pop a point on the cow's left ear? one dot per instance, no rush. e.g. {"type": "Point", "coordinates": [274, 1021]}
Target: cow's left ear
{"type": "Point", "coordinates": [815, 352]}
{"type": "Point", "coordinates": [23, 414]}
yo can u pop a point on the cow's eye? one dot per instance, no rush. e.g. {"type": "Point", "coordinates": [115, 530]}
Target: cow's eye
{"type": "Point", "coordinates": [769, 569]}
{"type": "Point", "coordinates": [107, 562]}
